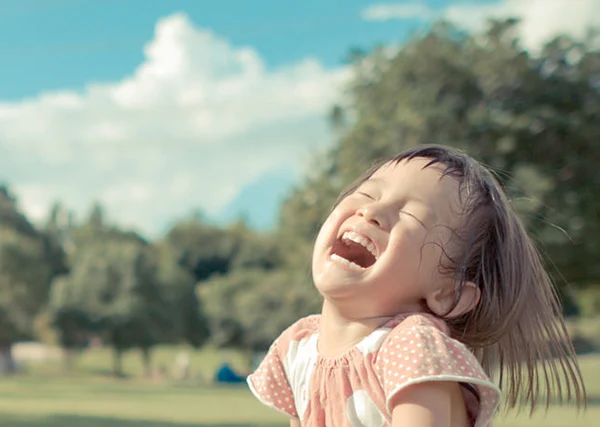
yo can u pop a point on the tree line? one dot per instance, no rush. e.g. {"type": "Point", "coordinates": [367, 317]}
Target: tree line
{"type": "Point", "coordinates": [534, 118]}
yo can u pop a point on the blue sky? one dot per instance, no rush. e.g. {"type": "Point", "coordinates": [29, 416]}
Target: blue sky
{"type": "Point", "coordinates": [75, 41]}
{"type": "Point", "coordinates": [160, 108]}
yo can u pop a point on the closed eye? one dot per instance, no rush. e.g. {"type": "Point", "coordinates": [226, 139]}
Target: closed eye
{"type": "Point", "coordinates": [411, 215]}
{"type": "Point", "coordinates": [366, 195]}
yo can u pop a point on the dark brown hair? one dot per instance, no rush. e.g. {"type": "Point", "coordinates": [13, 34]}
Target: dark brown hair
{"type": "Point", "coordinates": [517, 330]}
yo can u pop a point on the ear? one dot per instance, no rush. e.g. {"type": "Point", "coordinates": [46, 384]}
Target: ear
{"type": "Point", "coordinates": [441, 300]}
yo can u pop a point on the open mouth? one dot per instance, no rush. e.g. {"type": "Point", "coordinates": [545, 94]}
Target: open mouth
{"type": "Point", "coordinates": [354, 250]}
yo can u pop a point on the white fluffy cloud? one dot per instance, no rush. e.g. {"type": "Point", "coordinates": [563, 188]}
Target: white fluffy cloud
{"type": "Point", "coordinates": [541, 19]}
{"type": "Point", "coordinates": [194, 123]}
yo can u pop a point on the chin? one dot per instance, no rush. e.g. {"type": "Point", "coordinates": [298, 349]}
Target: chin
{"type": "Point", "coordinates": [330, 278]}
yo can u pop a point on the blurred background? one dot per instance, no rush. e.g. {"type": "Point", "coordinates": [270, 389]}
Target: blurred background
{"type": "Point", "coordinates": [165, 166]}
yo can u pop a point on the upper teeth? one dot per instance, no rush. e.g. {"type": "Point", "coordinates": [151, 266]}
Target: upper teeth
{"type": "Point", "coordinates": [363, 241]}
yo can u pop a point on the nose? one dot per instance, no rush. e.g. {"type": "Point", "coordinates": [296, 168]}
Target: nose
{"type": "Point", "coordinates": [374, 214]}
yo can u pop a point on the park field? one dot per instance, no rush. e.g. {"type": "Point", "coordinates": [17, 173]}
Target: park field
{"type": "Point", "coordinates": [43, 397]}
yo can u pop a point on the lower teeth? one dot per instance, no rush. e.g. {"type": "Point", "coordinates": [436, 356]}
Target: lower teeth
{"type": "Point", "coordinates": [346, 262]}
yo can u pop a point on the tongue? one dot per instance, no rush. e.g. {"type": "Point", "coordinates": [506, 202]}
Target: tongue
{"type": "Point", "coordinates": [355, 253]}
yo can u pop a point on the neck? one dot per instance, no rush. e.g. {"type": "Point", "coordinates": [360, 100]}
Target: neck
{"type": "Point", "coordinates": [340, 331]}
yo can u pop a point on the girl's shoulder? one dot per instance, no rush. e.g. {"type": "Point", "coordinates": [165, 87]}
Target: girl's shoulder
{"type": "Point", "coordinates": [424, 340]}
{"type": "Point", "coordinates": [302, 330]}
{"type": "Point", "coordinates": [408, 321]}
{"type": "Point", "coordinates": [419, 349]}
{"type": "Point", "coordinates": [308, 325]}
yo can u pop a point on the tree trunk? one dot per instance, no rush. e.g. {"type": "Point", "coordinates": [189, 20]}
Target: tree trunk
{"type": "Point", "coordinates": [7, 363]}
{"type": "Point", "coordinates": [146, 359]}
{"type": "Point", "coordinates": [117, 362]}
{"type": "Point", "coordinates": [69, 359]}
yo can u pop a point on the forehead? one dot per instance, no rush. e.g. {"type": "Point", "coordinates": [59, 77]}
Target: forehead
{"type": "Point", "coordinates": [413, 180]}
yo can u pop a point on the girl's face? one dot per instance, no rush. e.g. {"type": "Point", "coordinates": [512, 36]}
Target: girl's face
{"type": "Point", "coordinates": [380, 249]}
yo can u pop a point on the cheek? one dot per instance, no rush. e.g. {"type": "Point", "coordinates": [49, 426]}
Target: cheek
{"type": "Point", "coordinates": [405, 253]}
{"type": "Point", "coordinates": [417, 250]}
{"type": "Point", "coordinates": [409, 240]}
{"type": "Point", "coordinates": [327, 232]}
{"type": "Point", "coordinates": [323, 242]}
{"type": "Point", "coordinates": [432, 253]}
{"type": "Point", "coordinates": [334, 221]}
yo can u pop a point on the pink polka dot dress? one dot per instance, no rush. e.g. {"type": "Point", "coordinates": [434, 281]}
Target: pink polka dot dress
{"type": "Point", "coordinates": [356, 388]}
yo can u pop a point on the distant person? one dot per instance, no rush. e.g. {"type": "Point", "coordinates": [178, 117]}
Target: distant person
{"type": "Point", "coordinates": [429, 282]}
{"type": "Point", "coordinates": [182, 365]}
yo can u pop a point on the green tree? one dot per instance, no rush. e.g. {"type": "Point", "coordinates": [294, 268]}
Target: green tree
{"type": "Point", "coordinates": [29, 260]}
{"type": "Point", "coordinates": [122, 288]}
{"type": "Point", "coordinates": [113, 291]}
{"type": "Point", "coordinates": [178, 287]}
{"type": "Point", "coordinates": [200, 248]}
{"type": "Point", "coordinates": [203, 249]}
{"type": "Point", "coordinates": [226, 260]}
{"type": "Point", "coordinates": [248, 308]}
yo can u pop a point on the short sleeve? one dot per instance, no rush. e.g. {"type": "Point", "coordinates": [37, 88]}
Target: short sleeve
{"type": "Point", "coordinates": [270, 384]}
{"type": "Point", "coordinates": [416, 351]}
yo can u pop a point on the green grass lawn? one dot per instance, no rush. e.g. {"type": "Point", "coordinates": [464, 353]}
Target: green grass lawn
{"type": "Point", "coordinates": [81, 402]}
{"type": "Point", "coordinates": [89, 398]}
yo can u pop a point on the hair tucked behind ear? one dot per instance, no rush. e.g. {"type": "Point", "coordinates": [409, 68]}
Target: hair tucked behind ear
{"type": "Point", "coordinates": [517, 330]}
